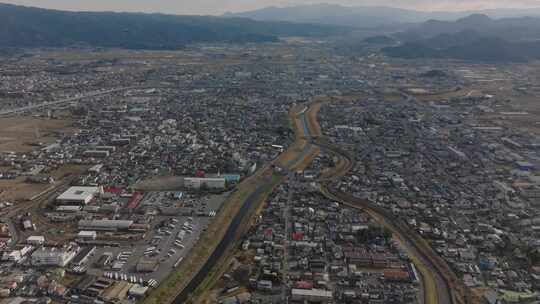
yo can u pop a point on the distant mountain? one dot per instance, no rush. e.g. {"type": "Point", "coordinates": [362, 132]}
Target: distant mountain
{"type": "Point", "coordinates": [366, 16]}
{"type": "Point", "coordinates": [34, 27]}
{"type": "Point", "coordinates": [447, 40]}
{"type": "Point", "coordinates": [476, 37]}
{"type": "Point", "coordinates": [513, 29]}
{"type": "Point", "coordinates": [467, 46]}
{"type": "Point", "coordinates": [380, 40]}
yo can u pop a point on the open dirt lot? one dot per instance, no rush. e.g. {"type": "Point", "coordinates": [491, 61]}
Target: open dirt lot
{"type": "Point", "coordinates": [19, 190]}
{"type": "Point", "coordinates": [162, 183]}
{"type": "Point", "coordinates": [18, 134]}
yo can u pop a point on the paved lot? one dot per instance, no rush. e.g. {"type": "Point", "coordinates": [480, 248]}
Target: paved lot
{"type": "Point", "coordinates": [162, 235]}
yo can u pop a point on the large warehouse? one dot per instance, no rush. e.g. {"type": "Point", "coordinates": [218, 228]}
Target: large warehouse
{"type": "Point", "coordinates": [79, 195]}
{"type": "Point", "coordinates": [105, 225]}
{"type": "Point", "coordinates": [210, 183]}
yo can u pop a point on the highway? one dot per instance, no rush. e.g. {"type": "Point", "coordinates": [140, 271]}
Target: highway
{"type": "Point", "coordinates": [100, 93]}
{"type": "Point", "coordinates": [59, 102]}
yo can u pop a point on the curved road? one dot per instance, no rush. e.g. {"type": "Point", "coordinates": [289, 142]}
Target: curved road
{"type": "Point", "coordinates": [436, 288]}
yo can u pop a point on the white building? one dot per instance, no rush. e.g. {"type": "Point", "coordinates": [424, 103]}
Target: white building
{"type": "Point", "coordinates": [17, 255]}
{"type": "Point", "coordinates": [79, 195]}
{"type": "Point", "coordinates": [35, 240]}
{"type": "Point", "coordinates": [87, 235]}
{"type": "Point", "coordinates": [69, 209]}
{"type": "Point", "coordinates": [138, 291]}
{"type": "Point", "coordinates": [54, 256]}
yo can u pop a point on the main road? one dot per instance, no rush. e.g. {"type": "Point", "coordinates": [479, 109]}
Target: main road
{"type": "Point", "coordinates": [61, 101]}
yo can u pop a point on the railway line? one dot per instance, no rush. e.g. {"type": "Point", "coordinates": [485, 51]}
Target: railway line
{"type": "Point", "coordinates": [58, 102]}
{"type": "Point", "coordinates": [34, 207]}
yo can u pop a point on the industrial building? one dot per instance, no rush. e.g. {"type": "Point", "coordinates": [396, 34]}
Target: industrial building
{"type": "Point", "coordinates": [105, 225]}
{"type": "Point", "coordinates": [200, 183]}
{"type": "Point", "coordinates": [53, 256]}
{"type": "Point", "coordinates": [311, 295]}
{"type": "Point", "coordinates": [146, 265]}
{"type": "Point", "coordinates": [79, 195]}
{"type": "Point", "coordinates": [82, 257]}
{"type": "Point", "coordinates": [35, 240]}
{"type": "Point", "coordinates": [86, 235]}
{"type": "Point", "coordinates": [138, 291]}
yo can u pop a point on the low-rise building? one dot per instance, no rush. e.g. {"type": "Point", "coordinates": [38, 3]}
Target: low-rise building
{"type": "Point", "coordinates": [200, 183]}
{"type": "Point", "coordinates": [35, 240]}
{"type": "Point", "coordinates": [311, 295]}
{"type": "Point", "coordinates": [52, 256]}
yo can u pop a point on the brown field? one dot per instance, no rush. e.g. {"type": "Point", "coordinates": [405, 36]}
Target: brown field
{"type": "Point", "coordinates": [19, 190]}
{"type": "Point", "coordinates": [437, 96]}
{"type": "Point", "coordinates": [162, 183]}
{"type": "Point", "coordinates": [18, 134]}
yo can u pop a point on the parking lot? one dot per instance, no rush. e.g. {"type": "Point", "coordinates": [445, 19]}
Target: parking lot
{"type": "Point", "coordinates": [168, 241]}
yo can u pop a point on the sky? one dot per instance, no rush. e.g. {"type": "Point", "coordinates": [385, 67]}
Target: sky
{"type": "Point", "coordinates": [217, 7]}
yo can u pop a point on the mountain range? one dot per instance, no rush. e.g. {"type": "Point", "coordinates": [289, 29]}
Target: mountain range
{"type": "Point", "coordinates": [476, 37]}
{"type": "Point", "coordinates": [35, 27]}
{"type": "Point", "coordinates": [368, 16]}
{"type": "Point", "coordinates": [513, 29]}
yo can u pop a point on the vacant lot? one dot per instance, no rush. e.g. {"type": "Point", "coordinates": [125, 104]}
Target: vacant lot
{"type": "Point", "coordinates": [19, 190]}
{"type": "Point", "coordinates": [22, 134]}
{"type": "Point", "coordinates": [162, 183]}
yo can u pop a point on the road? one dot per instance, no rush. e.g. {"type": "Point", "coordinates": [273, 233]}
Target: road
{"type": "Point", "coordinates": [223, 245]}
{"type": "Point", "coordinates": [287, 214]}
{"type": "Point", "coordinates": [436, 290]}
{"type": "Point", "coordinates": [435, 285]}
{"type": "Point", "coordinates": [61, 101]}
{"type": "Point", "coordinates": [234, 230]}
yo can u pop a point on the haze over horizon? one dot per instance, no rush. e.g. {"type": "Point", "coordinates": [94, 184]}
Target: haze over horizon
{"type": "Point", "coordinates": [218, 7]}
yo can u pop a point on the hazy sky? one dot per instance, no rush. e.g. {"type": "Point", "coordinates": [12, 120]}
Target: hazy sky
{"type": "Point", "coordinates": [221, 6]}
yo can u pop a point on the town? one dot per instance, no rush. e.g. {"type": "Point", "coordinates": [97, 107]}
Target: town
{"type": "Point", "coordinates": [281, 172]}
